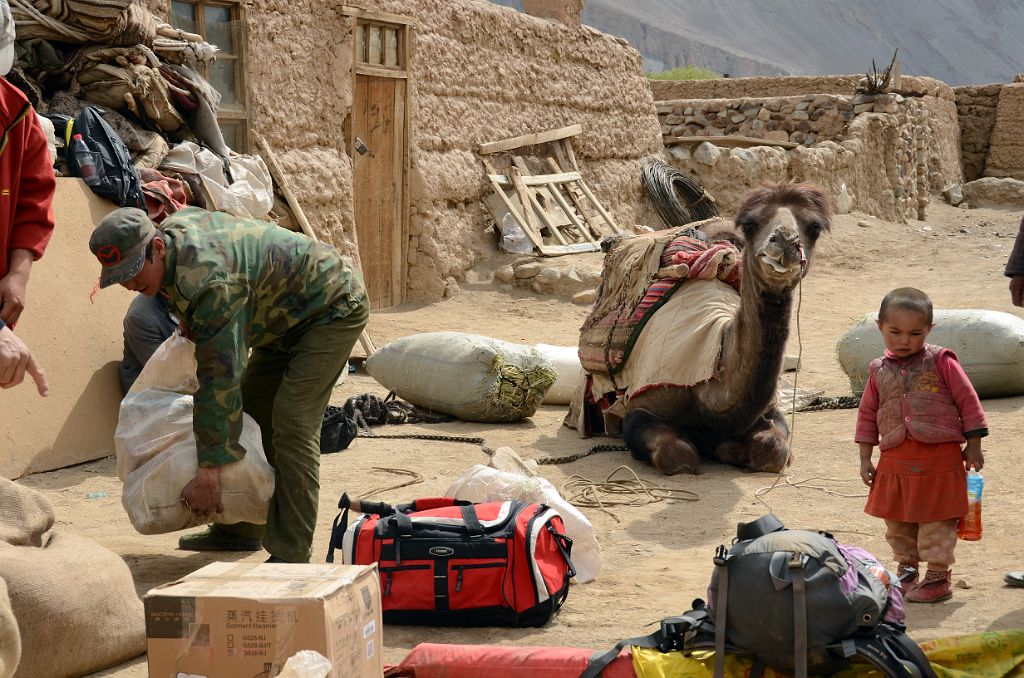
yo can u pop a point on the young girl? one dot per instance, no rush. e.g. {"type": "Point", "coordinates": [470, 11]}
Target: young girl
{"type": "Point", "coordinates": [920, 403]}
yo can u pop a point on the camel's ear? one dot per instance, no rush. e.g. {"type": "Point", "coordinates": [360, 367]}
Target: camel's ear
{"type": "Point", "coordinates": [815, 199]}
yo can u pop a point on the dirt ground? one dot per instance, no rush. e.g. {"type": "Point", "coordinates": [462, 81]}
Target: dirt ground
{"type": "Point", "coordinates": [658, 558]}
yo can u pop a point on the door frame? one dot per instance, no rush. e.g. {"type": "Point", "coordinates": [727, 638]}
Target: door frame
{"type": "Point", "coordinates": [356, 17]}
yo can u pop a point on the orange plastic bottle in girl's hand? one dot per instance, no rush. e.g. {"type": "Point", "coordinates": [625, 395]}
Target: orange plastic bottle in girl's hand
{"type": "Point", "coordinates": [969, 528]}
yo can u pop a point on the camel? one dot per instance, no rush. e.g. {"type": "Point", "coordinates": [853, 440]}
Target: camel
{"type": "Point", "coordinates": [734, 417]}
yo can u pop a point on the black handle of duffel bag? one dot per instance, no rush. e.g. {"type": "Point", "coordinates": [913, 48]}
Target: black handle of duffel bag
{"type": "Point", "coordinates": [340, 524]}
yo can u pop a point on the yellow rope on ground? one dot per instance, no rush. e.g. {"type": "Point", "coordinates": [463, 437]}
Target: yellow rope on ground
{"type": "Point", "coordinates": [415, 479]}
{"type": "Point", "coordinates": [586, 493]}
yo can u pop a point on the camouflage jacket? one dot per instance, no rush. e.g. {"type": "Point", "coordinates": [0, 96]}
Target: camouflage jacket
{"type": "Point", "coordinates": [237, 284]}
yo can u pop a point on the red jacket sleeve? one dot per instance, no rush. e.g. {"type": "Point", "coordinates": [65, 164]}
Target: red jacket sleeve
{"type": "Point", "coordinates": [960, 388]}
{"type": "Point", "coordinates": [33, 210]}
{"type": "Point", "coordinates": [867, 413]}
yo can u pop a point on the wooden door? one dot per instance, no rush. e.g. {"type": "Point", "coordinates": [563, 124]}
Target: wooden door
{"type": "Point", "coordinates": [380, 156]}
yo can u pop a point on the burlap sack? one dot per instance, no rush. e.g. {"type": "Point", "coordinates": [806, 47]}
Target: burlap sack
{"type": "Point", "coordinates": [10, 640]}
{"type": "Point", "coordinates": [74, 601]}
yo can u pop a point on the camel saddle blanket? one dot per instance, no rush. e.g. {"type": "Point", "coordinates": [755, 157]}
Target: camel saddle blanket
{"type": "Point", "coordinates": [640, 275]}
{"type": "Point", "coordinates": [679, 346]}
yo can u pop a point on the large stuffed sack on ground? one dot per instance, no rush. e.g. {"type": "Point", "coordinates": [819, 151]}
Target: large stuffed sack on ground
{"type": "Point", "coordinates": [74, 601]}
{"type": "Point", "coordinates": [466, 375]}
{"type": "Point", "coordinates": [988, 344]}
{"type": "Point", "coordinates": [156, 450]}
{"type": "Point", "coordinates": [10, 637]}
{"type": "Point", "coordinates": [566, 361]}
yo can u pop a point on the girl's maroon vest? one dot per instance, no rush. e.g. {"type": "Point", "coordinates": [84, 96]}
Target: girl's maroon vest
{"type": "Point", "coordinates": [914, 400]}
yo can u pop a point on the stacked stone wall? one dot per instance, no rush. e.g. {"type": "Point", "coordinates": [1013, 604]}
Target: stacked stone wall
{"type": "Point", "coordinates": [802, 120]}
{"type": "Point", "coordinates": [976, 110]}
{"type": "Point", "coordinates": [763, 87]}
{"type": "Point", "coordinates": [880, 167]}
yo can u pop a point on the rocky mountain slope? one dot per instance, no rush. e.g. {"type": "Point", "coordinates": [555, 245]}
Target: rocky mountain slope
{"type": "Point", "coordinates": [957, 41]}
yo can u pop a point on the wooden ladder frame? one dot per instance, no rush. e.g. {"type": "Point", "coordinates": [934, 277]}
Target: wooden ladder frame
{"type": "Point", "coordinates": [564, 188]}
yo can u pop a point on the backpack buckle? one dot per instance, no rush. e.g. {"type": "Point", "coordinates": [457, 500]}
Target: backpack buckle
{"type": "Point", "coordinates": [796, 561]}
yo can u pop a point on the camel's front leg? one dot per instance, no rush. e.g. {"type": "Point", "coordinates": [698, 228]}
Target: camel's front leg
{"type": "Point", "coordinates": [651, 439]}
{"type": "Point", "coordinates": [765, 447]}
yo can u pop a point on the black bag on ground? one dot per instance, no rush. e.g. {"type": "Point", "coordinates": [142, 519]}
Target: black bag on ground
{"type": "Point", "coordinates": [337, 431]}
{"type": "Point", "coordinates": [118, 179]}
{"type": "Point", "coordinates": [776, 596]}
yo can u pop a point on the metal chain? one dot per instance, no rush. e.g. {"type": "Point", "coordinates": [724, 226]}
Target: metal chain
{"type": "Point", "coordinates": [580, 455]}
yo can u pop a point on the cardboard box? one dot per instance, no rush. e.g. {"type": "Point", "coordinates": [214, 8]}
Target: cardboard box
{"type": "Point", "coordinates": [244, 620]}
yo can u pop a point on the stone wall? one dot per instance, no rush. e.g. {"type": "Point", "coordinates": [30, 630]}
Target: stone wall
{"type": "Point", "coordinates": [1006, 149]}
{"type": "Point", "coordinates": [881, 166]}
{"type": "Point", "coordinates": [761, 87]}
{"type": "Point", "coordinates": [914, 137]}
{"type": "Point", "coordinates": [976, 110]}
{"type": "Point", "coordinates": [802, 120]}
{"type": "Point", "coordinates": [480, 73]}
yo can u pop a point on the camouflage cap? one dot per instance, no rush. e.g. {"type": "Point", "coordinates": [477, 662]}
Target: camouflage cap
{"type": "Point", "coordinates": [119, 242]}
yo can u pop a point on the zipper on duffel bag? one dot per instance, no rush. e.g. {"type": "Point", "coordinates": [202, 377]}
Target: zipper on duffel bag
{"type": "Point", "coordinates": [472, 566]}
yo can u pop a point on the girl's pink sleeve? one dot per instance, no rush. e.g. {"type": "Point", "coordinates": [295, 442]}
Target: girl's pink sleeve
{"type": "Point", "coordinates": [964, 395]}
{"type": "Point", "coordinates": [867, 414]}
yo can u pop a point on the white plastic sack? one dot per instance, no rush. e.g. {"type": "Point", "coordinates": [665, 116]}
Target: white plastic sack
{"type": "Point", "coordinates": [466, 375]}
{"type": "Point", "coordinates": [483, 483]}
{"type": "Point", "coordinates": [989, 345]}
{"type": "Point", "coordinates": [306, 664]}
{"type": "Point", "coordinates": [566, 360]}
{"type": "Point", "coordinates": [156, 449]}
{"type": "Point", "coordinates": [251, 192]}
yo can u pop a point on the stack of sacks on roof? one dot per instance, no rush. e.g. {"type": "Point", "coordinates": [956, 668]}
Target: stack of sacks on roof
{"type": "Point", "coordinates": [144, 77]}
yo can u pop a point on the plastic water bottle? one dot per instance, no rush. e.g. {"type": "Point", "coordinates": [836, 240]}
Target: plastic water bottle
{"type": "Point", "coordinates": [513, 239]}
{"type": "Point", "coordinates": [86, 161]}
{"type": "Point", "coordinates": [969, 528]}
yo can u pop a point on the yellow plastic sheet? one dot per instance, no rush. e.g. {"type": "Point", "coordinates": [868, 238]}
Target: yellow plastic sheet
{"type": "Point", "coordinates": [980, 655]}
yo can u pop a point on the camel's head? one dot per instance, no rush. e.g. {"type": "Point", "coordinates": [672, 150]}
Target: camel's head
{"type": "Point", "coordinates": [780, 224]}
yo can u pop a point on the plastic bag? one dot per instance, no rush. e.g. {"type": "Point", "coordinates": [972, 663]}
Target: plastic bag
{"type": "Point", "coordinates": [306, 664]}
{"type": "Point", "coordinates": [156, 449]}
{"type": "Point", "coordinates": [483, 483]}
{"type": "Point", "coordinates": [513, 238]}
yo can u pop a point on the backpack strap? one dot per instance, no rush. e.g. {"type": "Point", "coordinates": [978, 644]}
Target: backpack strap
{"type": "Point", "coordinates": [670, 636]}
{"type": "Point", "coordinates": [890, 651]}
{"type": "Point", "coordinates": [721, 603]}
{"type": "Point", "coordinates": [796, 567]}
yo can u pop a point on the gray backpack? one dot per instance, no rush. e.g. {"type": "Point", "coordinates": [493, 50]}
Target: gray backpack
{"type": "Point", "coordinates": [789, 599]}
{"type": "Point", "coordinates": [777, 593]}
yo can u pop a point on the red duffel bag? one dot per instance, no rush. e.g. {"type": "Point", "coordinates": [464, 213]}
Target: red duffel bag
{"type": "Point", "coordinates": [445, 562]}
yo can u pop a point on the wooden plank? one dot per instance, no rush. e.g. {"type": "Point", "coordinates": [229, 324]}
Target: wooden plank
{"type": "Point", "coordinates": [278, 175]}
{"type": "Point", "coordinates": [530, 139]}
{"type": "Point", "coordinates": [569, 212]}
{"type": "Point", "coordinates": [397, 240]}
{"type": "Point", "coordinates": [576, 248]}
{"type": "Point", "coordinates": [571, 153]}
{"type": "Point", "coordinates": [371, 15]}
{"type": "Point", "coordinates": [520, 219]}
{"type": "Point", "coordinates": [729, 141]}
{"type": "Point", "coordinates": [538, 179]}
{"type": "Point", "coordinates": [406, 59]}
{"type": "Point", "coordinates": [572, 189]}
{"type": "Point", "coordinates": [534, 203]}
{"type": "Point", "coordinates": [600, 208]}
{"type": "Point", "coordinates": [381, 71]}
{"type": "Point", "coordinates": [524, 198]}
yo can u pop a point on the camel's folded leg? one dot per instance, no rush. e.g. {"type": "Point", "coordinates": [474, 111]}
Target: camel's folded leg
{"type": "Point", "coordinates": [765, 447]}
{"type": "Point", "coordinates": [650, 438]}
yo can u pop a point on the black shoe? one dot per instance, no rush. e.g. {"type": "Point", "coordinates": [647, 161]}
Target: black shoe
{"type": "Point", "coordinates": [212, 539]}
